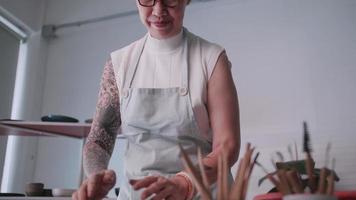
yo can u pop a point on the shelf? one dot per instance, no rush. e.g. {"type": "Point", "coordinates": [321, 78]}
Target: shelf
{"type": "Point", "coordinates": [35, 198]}
{"type": "Point", "coordinates": [43, 198]}
{"type": "Point", "coordinates": [35, 128]}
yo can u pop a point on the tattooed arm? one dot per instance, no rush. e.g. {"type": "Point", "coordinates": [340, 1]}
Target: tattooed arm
{"type": "Point", "coordinates": [101, 140]}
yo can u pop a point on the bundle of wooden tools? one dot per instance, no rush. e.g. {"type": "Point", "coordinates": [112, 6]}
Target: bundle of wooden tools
{"type": "Point", "coordinates": [238, 189]}
{"type": "Point", "coordinates": [289, 181]}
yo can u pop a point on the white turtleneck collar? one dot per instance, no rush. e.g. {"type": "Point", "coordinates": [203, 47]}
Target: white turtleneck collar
{"type": "Point", "coordinates": [164, 45]}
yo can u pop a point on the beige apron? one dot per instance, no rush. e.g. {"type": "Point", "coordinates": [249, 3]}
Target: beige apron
{"type": "Point", "coordinates": [154, 121]}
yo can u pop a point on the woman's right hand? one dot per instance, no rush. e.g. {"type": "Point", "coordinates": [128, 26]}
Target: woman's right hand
{"type": "Point", "coordinates": [96, 186]}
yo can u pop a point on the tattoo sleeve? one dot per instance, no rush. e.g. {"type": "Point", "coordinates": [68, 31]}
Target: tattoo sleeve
{"type": "Point", "coordinates": [101, 139]}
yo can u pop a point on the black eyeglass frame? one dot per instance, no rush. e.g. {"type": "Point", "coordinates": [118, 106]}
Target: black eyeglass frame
{"type": "Point", "coordinates": [154, 3]}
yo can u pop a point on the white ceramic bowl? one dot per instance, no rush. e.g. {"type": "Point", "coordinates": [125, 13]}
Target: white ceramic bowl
{"type": "Point", "coordinates": [308, 197]}
{"type": "Point", "coordinates": [60, 192]}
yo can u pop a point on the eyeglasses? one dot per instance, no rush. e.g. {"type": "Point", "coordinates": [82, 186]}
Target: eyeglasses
{"type": "Point", "coordinates": [151, 3]}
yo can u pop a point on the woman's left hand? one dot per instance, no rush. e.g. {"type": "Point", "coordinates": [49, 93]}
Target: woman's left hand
{"type": "Point", "coordinates": [174, 188]}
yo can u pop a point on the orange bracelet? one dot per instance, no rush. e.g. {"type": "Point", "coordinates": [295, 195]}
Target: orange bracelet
{"type": "Point", "coordinates": [191, 191]}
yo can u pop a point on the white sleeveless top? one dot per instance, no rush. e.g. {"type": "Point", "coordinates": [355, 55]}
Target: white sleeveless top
{"type": "Point", "coordinates": [160, 67]}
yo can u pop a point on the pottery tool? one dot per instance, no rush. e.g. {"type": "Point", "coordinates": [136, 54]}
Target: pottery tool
{"type": "Point", "coordinates": [204, 192]}
{"type": "Point", "coordinates": [322, 179]}
{"type": "Point", "coordinates": [237, 188]}
{"type": "Point", "coordinates": [220, 195]}
{"type": "Point", "coordinates": [323, 171]}
{"type": "Point", "coordinates": [233, 190]}
{"type": "Point", "coordinates": [245, 176]}
{"type": "Point", "coordinates": [248, 175]}
{"type": "Point", "coordinates": [294, 181]}
{"type": "Point", "coordinates": [289, 147]}
{"type": "Point", "coordinates": [270, 176]}
{"type": "Point", "coordinates": [225, 172]}
{"type": "Point", "coordinates": [331, 179]}
{"type": "Point", "coordinates": [202, 169]}
{"type": "Point", "coordinates": [285, 187]}
{"type": "Point", "coordinates": [296, 150]}
{"type": "Point", "coordinates": [276, 157]}
{"type": "Point", "coordinates": [274, 163]}
{"type": "Point", "coordinates": [280, 156]}
{"type": "Point", "coordinates": [308, 160]}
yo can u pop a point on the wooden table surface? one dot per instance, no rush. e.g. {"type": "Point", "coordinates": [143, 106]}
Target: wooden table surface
{"type": "Point", "coordinates": [38, 128]}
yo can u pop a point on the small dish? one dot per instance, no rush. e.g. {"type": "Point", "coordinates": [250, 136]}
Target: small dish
{"type": "Point", "coordinates": [58, 118]}
{"type": "Point", "coordinates": [34, 189]}
{"type": "Point", "coordinates": [89, 121]}
{"type": "Point", "coordinates": [60, 192]}
{"type": "Point", "coordinates": [47, 192]}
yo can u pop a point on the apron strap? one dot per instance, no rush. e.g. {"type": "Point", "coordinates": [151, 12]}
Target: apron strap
{"type": "Point", "coordinates": [132, 68]}
{"type": "Point", "coordinates": [185, 76]}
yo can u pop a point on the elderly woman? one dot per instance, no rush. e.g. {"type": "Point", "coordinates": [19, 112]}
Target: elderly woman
{"type": "Point", "coordinates": [170, 87]}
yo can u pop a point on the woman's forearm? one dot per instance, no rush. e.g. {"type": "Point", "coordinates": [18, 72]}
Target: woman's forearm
{"type": "Point", "coordinates": [210, 161]}
{"type": "Point", "coordinates": [95, 159]}
{"type": "Point", "coordinates": [224, 117]}
{"type": "Point", "coordinates": [101, 139]}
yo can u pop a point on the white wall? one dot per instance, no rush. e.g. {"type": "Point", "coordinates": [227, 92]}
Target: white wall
{"type": "Point", "coordinates": [292, 61]}
{"type": "Point", "coordinates": [8, 56]}
{"type": "Point", "coordinates": [21, 152]}
{"type": "Point", "coordinates": [65, 11]}
{"type": "Point", "coordinates": [28, 12]}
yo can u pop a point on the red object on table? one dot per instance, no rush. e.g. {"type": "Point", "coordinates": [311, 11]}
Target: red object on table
{"type": "Point", "coordinates": [341, 195]}
{"type": "Point", "coordinates": [269, 196]}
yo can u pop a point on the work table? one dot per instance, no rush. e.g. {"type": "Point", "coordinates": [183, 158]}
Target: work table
{"type": "Point", "coordinates": [37, 128]}
{"type": "Point", "coordinates": [43, 198]}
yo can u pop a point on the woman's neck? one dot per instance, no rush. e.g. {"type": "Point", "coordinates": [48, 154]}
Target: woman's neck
{"type": "Point", "coordinates": [166, 44]}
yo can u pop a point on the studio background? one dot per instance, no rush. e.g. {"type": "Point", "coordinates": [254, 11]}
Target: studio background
{"type": "Point", "coordinates": [291, 61]}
